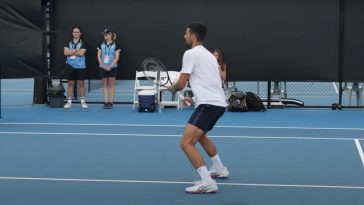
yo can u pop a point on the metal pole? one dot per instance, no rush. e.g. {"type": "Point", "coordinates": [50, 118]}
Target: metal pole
{"type": "Point", "coordinates": [341, 51]}
{"type": "Point", "coordinates": [269, 94]}
{"type": "Point", "coordinates": [1, 76]}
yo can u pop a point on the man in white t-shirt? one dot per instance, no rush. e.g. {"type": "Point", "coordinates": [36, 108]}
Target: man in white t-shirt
{"type": "Point", "coordinates": [201, 69]}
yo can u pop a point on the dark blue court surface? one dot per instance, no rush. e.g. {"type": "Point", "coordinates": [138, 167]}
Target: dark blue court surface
{"type": "Point", "coordinates": [52, 156]}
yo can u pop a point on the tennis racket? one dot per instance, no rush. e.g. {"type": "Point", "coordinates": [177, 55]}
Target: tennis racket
{"type": "Point", "coordinates": [155, 71]}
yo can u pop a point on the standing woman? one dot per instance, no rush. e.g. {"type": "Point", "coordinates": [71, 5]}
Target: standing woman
{"type": "Point", "coordinates": [75, 52]}
{"type": "Point", "coordinates": [108, 56]}
{"type": "Point", "coordinates": [222, 65]}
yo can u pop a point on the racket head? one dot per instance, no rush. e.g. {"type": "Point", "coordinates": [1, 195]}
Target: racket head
{"type": "Point", "coordinates": [154, 69]}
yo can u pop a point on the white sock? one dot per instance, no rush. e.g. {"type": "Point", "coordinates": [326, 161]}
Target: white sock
{"type": "Point", "coordinates": [217, 162]}
{"type": "Point", "coordinates": [69, 101]}
{"type": "Point", "coordinates": [204, 174]}
{"type": "Point", "coordinates": [83, 99]}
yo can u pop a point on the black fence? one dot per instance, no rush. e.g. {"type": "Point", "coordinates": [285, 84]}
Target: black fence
{"type": "Point", "coordinates": [307, 48]}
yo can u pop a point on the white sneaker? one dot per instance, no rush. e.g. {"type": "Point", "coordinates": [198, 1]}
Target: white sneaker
{"type": "Point", "coordinates": [202, 187]}
{"type": "Point", "coordinates": [84, 105]}
{"type": "Point", "coordinates": [67, 105]}
{"type": "Point", "coordinates": [220, 173]}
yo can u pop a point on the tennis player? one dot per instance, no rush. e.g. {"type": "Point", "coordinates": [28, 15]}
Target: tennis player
{"type": "Point", "coordinates": [201, 69]}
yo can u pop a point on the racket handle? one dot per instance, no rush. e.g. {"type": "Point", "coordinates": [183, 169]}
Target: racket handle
{"type": "Point", "coordinates": [181, 97]}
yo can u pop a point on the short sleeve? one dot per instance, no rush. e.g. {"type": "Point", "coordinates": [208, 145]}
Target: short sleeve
{"type": "Point", "coordinates": [66, 45]}
{"type": "Point", "coordinates": [99, 46]}
{"type": "Point", "coordinates": [83, 46]}
{"type": "Point", "coordinates": [117, 48]}
{"type": "Point", "coordinates": [187, 63]}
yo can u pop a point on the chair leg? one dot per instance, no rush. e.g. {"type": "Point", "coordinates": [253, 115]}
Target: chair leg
{"type": "Point", "coordinates": [350, 91]}
{"type": "Point", "coordinates": [360, 92]}
{"type": "Point", "coordinates": [357, 97]}
{"type": "Point", "coordinates": [134, 101]}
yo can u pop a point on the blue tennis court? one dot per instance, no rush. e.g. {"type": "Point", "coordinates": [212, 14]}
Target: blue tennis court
{"type": "Point", "coordinates": [120, 156]}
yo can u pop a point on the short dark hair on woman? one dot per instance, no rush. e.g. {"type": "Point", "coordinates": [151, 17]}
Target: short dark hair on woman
{"type": "Point", "coordinates": [198, 29]}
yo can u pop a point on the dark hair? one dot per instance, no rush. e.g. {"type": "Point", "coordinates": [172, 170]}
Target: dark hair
{"type": "Point", "coordinates": [79, 28]}
{"type": "Point", "coordinates": [220, 60]}
{"type": "Point", "coordinates": [198, 29]}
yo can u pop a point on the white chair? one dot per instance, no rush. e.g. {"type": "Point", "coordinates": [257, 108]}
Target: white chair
{"type": "Point", "coordinates": [141, 84]}
{"type": "Point", "coordinates": [175, 100]}
{"type": "Point", "coordinates": [358, 89]}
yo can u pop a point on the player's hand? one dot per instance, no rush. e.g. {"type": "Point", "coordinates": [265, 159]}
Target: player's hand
{"type": "Point", "coordinates": [169, 88]}
{"type": "Point", "coordinates": [187, 101]}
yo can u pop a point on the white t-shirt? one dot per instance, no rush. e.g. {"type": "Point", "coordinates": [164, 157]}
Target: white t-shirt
{"type": "Point", "coordinates": [205, 77]}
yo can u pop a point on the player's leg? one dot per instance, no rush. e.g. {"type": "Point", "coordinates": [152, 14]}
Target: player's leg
{"type": "Point", "coordinates": [191, 135]}
{"type": "Point", "coordinates": [212, 115]}
{"type": "Point", "coordinates": [218, 170]}
{"type": "Point", "coordinates": [208, 145]}
{"type": "Point", "coordinates": [195, 129]}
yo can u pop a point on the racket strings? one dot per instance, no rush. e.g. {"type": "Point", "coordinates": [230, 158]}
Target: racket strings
{"type": "Point", "coordinates": [156, 72]}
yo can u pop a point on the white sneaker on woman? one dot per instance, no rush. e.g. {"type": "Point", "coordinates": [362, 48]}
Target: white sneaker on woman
{"type": "Point", "coordinates": [84, 105]}
{"type": "Point", "coordinates": [67, 105]}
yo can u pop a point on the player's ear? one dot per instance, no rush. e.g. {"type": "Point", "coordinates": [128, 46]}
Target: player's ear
{"type": "Point", "coordinates": [193, 37]}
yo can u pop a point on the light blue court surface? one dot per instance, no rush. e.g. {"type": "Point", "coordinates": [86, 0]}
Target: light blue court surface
{"type": "Point", "coordinates": [95, 156]}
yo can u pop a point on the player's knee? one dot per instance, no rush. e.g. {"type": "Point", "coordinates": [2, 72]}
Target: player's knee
{"type": "Point", "coordinates": [185, 143]}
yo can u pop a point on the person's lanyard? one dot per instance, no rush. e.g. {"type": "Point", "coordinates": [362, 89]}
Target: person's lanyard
{"type": "Point", "coordinates": [108, 49]}
{"type": "Point", "coordinates": [74, 45]}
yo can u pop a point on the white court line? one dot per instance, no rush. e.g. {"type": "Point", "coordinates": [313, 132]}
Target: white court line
{"type": "Point", "coordinates": [308, 92]}
{"type": "Point", "coordinates": [312, 96]}
{"type": "Point", "coordinates": [178, 135]}
{"type": "Point", "coordinates": [165, 125]}
{"type": "Point", "coordinates": [17, 93]}
{"type": "Point", "coordinates": [336, 89]}
{"type": "Point", "coordinates": [180, 182]}
{"type": "Point", "coordinates": [16, 89]}
{"type": "Point", "coordinates": [360, 150]}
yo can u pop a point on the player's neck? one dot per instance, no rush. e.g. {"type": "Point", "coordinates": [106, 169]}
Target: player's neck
{"type": "Point", "coordinates": [109, 41]}
{"type": "Point", "coordinates": [75, 40]}
{"type": "Point", "coordinates": [194, 44]}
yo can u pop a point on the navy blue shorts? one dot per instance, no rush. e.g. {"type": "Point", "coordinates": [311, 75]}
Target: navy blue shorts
{"type": "Point", "coordinates": [108, 74]}
{"type": "Point", "coordinates": [205, 116]}
{"type": "Point", "coordinates": [77, 74]}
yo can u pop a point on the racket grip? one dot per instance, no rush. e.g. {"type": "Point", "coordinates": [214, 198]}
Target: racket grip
{"type": "Point", "coordinates": [181, 97]}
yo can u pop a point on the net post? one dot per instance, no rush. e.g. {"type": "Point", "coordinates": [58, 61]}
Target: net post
{"type": "Point", "coordinates": [1, 76]}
